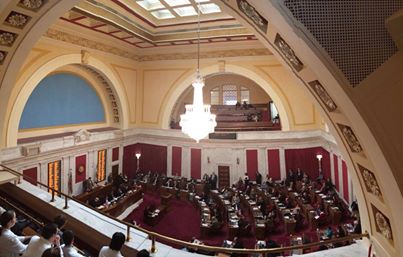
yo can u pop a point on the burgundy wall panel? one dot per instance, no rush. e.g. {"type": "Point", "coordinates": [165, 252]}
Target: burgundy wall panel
{"type": "Point", "coordinates": [176, 161]}
{"type": "Point", "coordinates": [195, 163]}
{"type": "Point", "coordinates": [115, 154]}
{"type": "Point", "coordinates": [336, 173]}
{"type": "Point", "coordinates": [305, 159]}
{"type": "Point", "coordinates": [345, 181]}
{"type": "Point", "coordinates": [251, 163]}
{"type": "Point", "coordinates": [81, 168]}
{"type": "Point", "coordinates": [273, 160]}
{"type": "Point", "coordinates": [153, 158]}
{"type": "Point", "coordinates": [32, 174]}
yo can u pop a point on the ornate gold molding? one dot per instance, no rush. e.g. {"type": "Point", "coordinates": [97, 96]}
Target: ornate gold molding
{"type": "Point", "coordinates": [80, 41]}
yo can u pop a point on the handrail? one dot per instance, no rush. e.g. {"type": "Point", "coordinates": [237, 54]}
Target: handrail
{"type": "Point", "coordinates": [153, 235]}
{"type": "Point", "coordinates": [22, 211]}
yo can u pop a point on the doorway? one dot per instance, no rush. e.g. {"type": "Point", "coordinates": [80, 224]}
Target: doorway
{"type": "Point", "coordinates": [223, 176]}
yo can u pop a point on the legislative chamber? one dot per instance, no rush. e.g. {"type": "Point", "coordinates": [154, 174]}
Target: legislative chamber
{"type": "Point", "coordinates": [175, 128]}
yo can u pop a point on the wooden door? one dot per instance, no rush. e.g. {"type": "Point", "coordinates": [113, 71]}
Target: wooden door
{"type": "Point", "coordinates": [115, 171]}
{"type": "Point", "coordinates": [223, 176]}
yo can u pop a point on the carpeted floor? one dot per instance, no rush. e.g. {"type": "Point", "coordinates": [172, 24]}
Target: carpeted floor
{"type": "Point", "coordinates": [182, 221]}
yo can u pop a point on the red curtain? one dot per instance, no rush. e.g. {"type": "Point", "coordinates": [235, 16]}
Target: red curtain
{"type": "Point", "coordinates": [306, 160]}
{"type": "Point", "coordinates": [115, 154]}
{"type": "Point", "coordinates": [336, 172]}
{"type": "Point", "coordinates": [176, 161]}
{"type": "Point", "coordinates": [273, 160]}
{"type": "Point", "coordinates": [345, 181]}
{"type": "Point", "coordinates": [153, 158]}
{"type": "Point", "coordinates": [195, 163]}
{"type": "Point", "coordinates": [81, 168]}
{"type": "Point", "coordinates": [251, 164]}
{"type": "Point", "coordinates": [32, 175]}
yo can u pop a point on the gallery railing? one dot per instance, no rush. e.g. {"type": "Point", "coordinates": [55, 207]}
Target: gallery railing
{"type": "Point", "coordinates": [154, 236]}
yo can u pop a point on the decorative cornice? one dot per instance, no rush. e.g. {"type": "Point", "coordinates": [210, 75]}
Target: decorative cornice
{"type": "Point", "coordinates": [84, 42]}
{"type": "Point", "coordinates": [76, 40]}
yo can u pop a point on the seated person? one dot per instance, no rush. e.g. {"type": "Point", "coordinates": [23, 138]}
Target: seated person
{"type": "Point", "coordinates": [272, 244]}
{"type": "Point", "coordinates": [328, 233]}
{"type": "Point", "coordinates": [116, 244]}
{"type": "Point", "coordinates": [61, 222]}
{"type": "Point", "coordinates": [95, 202]}
{"type": "Point", "coordinates": [52, 252]}
{"type": "Point", "coordinates": [143, 253]}
{"type": "Point", "coordinates": [10, 244]}
{"type": "Point", "coordinates": [68, 249]}
{"type": "Point", "coordinates": [37, 245]}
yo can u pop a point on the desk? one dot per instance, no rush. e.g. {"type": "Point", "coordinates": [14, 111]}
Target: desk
{"type": "Point", "coordinates": [99, 191]}
{"type": "Point", "coordinates": [122, 204]}
{"type": "Point", "coordinates": [166, 199]}
{"type": "Point", "coordinates": [155, 216]}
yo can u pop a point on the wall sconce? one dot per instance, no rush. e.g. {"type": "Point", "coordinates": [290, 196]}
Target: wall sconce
{"type": "Point", "coordinates": [237, 160]}
{"type": "Point", "coordinates": [319, 157]}
{"type": "Point", "coordinates": [208, 159]}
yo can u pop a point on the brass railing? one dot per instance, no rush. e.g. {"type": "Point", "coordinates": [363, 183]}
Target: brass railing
{"type": "Point", "coordinates": [153, 235]}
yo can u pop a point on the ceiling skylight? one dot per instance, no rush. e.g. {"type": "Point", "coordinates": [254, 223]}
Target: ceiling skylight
{"type": "Point", "coordinates": [209, 8]}
{"type": "Point", "coordinates": [185, 11]}
{"type": "Point", "coordinates": [177, 2]}
{"type": "Point", "coordinates": [150, 4]}
{"type": "Point", "coordinates": [163, 14]}
{"type": "Point", "coordinates": [201, 1]}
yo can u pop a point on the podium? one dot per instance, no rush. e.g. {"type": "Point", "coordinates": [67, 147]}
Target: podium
{"type": "Point", "coordinates": [166, 199]}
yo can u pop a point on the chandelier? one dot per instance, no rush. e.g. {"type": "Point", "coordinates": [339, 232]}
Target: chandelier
{"type": "Point", "coordinates": [198, 122]}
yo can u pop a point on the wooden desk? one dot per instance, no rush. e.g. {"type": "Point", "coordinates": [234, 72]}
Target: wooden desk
{"type": "Point", "coordinates": [99, 191]}
{"type": "Point", "coordinates": [158, 214]}
{"type": "Point", "coordinates": [166, 199]}
{"type": "Point", "coordinates": [122, 204]}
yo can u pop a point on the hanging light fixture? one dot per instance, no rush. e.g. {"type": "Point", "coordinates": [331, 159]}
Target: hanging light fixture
{"type": "Point", "coordinates": [198, 122]}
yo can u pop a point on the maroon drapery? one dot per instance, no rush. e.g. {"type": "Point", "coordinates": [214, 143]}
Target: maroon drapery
{"type": "Point", "coordinates": [306, 160]}
{"type": "Point", "coordinates": [195, 163]}
{"type": "Point", "coordinates": [81, 161]}
{"type": "Point", "coordinates": [153, 158]}
{"type": "Point", "coordinates": [251, 163]}
{"type": "Point", "coordinates": [115, 154]}
{"type": "Point", "coordinates": [176, 161]}
{"type": "Point", "coordinates": [336, 173]}
{"type": "Point", "coordinates": [273, 160]}
{"type": "Point", "coordinates": [31, 173]}
{"type": "Point", "coordinates": [345, 181]}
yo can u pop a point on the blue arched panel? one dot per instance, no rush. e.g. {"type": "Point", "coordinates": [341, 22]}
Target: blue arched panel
{"type": "Point", "coordinates": [62, 99]}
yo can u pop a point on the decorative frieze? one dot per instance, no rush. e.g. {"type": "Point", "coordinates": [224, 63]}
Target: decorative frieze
{"type": "Point", "coordinates": [370, 182]}
{"type": "Point", "coordinates": [288, 53]}
{"type": "Point", "coordinates": [382, 224]}
{"type": "Point", "coordinates": [7, 38]}
{"type": "Point", "coordinates": [323, 95]}
{"type": "Point", "coordinates": [350, 138]}
{"type": "Point", "coordinates": [252, 14]}
{"type": "Point", "coordinates": [17, 20]}
{"type": "Point", "coordinates": [32, 4]}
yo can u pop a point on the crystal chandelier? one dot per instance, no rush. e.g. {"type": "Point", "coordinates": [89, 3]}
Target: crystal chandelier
{"type": "Point", "coordinates": [198, 122]}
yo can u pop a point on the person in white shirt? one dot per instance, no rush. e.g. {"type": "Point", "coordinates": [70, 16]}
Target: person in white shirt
{"type": "Point", "coordinates": [68, 249]}
{"type": "Point", "coordinates": [10, 244]}
{"type": "Point", "coordinates": [113, 250]}
{"type": "Point", "coordinates": [38, 245]}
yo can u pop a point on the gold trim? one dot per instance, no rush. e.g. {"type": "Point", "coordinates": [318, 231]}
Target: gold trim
{"type": "Point", "coordinates": [28, 65]}
{"type": "Point", "coordinates": [114, 66]}
{"type": "Point", "coordinates": [60, 126]}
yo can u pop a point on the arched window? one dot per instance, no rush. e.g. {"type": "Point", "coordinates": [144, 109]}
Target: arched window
{"type": "Point", "coordinates": [229, 94]}
{"type": "Point", "coordinates": [215, 96]}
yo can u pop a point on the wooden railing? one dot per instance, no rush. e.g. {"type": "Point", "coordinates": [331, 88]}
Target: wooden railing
{"type": "Point", "coordinates": [153, 235]}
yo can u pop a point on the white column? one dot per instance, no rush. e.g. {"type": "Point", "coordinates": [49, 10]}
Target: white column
{"type": "Point", "coordinates": [43, 173]}
{"type": "Point", "coordinates": [186, 162]}
{"type": "Point", "coordinates": [169, 160]}
{"type": "Point", "coordinates": [283, 172]}
{"type": "Point", "coordinates": [350, 188]}
{"type": "Point", "coordinates": [121, 159]}
{"type": "Point", "coordinates": [92, 165]}
{"type": "Point", "coordinates": [108, 166]}
{"type": "Point", "coordinates": [340, 178]}
{"type": "Point", "coordinates": [331, 166]}
{"type": "Point", "coordinates": [262, 161]}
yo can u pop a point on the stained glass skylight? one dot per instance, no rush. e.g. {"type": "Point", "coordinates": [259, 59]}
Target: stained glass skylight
{"type": "Point", "coordinates": [163, 14]}
{"type": "Point", "coordinates": [185, 11]}
{"type": "Point", "coordinates": [177, 2]}
{"type": "Point", "coordinates": [209, 8]}
{"type": "Point", "coordinates": [151, 4]}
